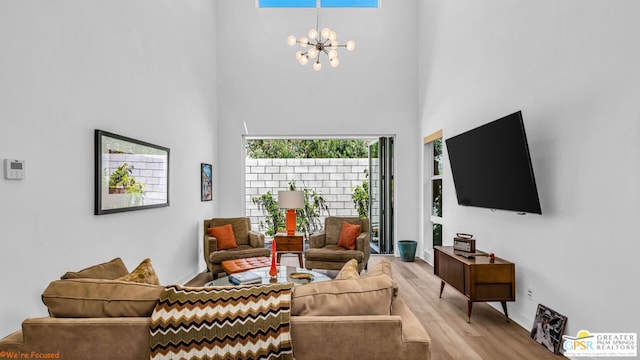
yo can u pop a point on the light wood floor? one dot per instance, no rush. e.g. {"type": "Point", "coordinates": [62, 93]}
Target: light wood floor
{"type": "Point", "coordinates": [489, 336]}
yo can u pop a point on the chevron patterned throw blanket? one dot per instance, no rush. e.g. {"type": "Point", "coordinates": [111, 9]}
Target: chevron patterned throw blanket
{"type": "Point", "coordinates": [248, 322]}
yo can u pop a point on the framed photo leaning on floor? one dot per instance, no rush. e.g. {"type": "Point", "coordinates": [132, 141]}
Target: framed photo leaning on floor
{"type": "Point", "coordinates": [548, 328]}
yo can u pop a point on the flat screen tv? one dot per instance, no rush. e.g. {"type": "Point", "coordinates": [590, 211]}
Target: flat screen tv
{"type": "Point", "coordinates": [491, 167]}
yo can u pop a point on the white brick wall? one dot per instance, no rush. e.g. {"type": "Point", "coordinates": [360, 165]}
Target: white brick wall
{"type": "Point", "coordinates": [333, 178]}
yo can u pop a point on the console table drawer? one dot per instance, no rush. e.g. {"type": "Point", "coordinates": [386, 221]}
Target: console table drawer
{"type": "Point", "coordinates": [289, 243]}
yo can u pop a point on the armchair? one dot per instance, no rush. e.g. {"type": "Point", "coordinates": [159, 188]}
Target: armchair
{"type": "Point", "coordinates": [324, 252]}
{"type": "Point", "coordinates": [250, 243]}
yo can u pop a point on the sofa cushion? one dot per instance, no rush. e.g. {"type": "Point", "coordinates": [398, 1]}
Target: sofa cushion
{"type": "Point", "coordinates": [84, 298]}
{"type": "Point", "coordinates": [349, 271]}
{"type": "Point", "coordinates": [333, 253]}
{"type": "Point", "coordinates": [144, 273]}
{"type": "Point", "coordinates": [382, 268]}
{"type": "Point", "coordinates": [224, 235]}
{"type": "Point", "coordinates": [242, 251]}
{"type": "Point", "coordinates": [348, 235]}
{"type": "Point", "coordinates": [108, 270]}
{"type": "Point", "coordinates": [366, 296]}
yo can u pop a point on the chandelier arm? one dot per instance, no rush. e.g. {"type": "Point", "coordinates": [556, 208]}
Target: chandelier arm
{"type": "Point", "coordinates": [318, 20]}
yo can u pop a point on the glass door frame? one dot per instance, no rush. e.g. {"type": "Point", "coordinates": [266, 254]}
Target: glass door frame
{"type": "Point", "coordinates": [433, 170]}
{"type": "Point", "coordinates": [381, 195]}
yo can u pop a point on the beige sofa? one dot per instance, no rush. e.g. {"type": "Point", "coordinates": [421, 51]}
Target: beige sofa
{"type": "Point", "coordinates": [338, 319]}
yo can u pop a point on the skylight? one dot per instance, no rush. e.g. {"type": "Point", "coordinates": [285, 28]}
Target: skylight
{"type": "Point", "coordinates": [312, 3]}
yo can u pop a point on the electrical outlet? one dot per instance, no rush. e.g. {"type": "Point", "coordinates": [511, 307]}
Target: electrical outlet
{"type": "Point", "coordinates": [530, 293]}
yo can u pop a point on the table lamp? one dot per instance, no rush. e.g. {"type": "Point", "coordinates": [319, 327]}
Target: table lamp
{"type": "Point", "coordinates": [291, 200]}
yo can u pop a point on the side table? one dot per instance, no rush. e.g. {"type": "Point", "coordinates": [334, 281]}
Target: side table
{"type": "Point", "coordinates": [289, 244]}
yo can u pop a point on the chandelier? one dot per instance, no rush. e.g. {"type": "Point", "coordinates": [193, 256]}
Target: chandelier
{"type": "Point", "coordinates": [319, 42]}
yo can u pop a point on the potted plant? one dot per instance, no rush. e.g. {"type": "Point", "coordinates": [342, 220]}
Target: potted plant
{"type": "Point", "coordinates": [275, 219]}
{"type": "Point", "coordinates": [122, 182]}
{"type": "Point", "coordinates": [360, 197]}
{"type": "Point", "coordinates": [307, 218]}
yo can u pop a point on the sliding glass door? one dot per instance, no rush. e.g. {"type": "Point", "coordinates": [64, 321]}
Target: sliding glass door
{"type": "Point", "coordinates": [381, 195]}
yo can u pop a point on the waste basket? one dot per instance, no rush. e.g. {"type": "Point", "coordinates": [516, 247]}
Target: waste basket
{"type": "Point", "coordinates": [407, 249]}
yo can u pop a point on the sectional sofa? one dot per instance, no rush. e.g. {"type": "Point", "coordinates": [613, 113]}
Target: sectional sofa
{"type": "Point", "coordinates": [110, 319]}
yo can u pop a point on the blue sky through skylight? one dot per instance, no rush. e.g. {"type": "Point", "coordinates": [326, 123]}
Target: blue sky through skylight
{"type": "Point", "coordinates": [312, 3]}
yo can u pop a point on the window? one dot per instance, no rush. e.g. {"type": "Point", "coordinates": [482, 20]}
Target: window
{"type": "Point", "coordinates": [312, 3]}
{"type": "Point", "coordinates": [433, 187]}
{"type": "Point", "coordinates": [436, 192]}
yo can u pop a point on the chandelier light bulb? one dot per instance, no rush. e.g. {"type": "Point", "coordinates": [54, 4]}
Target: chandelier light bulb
{"type": "Point", "coordinates": [317, 66]}
{"type": "Point", "coordinates": [304, 41]}
{"type": "Point", "coordinates": [325, 33]}
{"type": "Point", "coordinates": [313, 34]}
{"type": "Point", "coordinates": [298, 55]}
{"type": "Point", "coordinates": [332, 54]}
{"type": "Point", "coordinates": [303, 60]}
{"type": "Point", "coordinates": [351, 45]}
{"type": "Point", "coordinates": [334, 62]}
{"type": "Point", "coordinates": [312, 53]}
{"type": "Point", "coordinates": [334, 44]}
{"type": "Point", "coordinates": [333, 36]}
{"type": "Point", "coordinates": [291, 40]}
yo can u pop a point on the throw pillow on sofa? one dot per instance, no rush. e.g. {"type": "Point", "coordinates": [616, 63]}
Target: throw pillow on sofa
{"type": "Point", "coordinates": [349, 271]}
{"type": "Point", "coordinates": [224, 235]}
{"type": "Point", "coordinates": [84, 298]}
{"type": "Point", "coordinates": [109, 270]}
{"type": "Point", "coordinates": [144, 273]}
{"type": "Point", "coordinates": [348, 235]}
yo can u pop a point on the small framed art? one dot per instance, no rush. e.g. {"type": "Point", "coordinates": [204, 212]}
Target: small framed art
{"type": "Point", "coordinates": [548, 328]}
{"type": "Point", "coordinates": [206, 184]}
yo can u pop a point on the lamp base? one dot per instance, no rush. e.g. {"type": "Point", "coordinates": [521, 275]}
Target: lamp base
{"type": "Point", "coordinates": [291, 222]}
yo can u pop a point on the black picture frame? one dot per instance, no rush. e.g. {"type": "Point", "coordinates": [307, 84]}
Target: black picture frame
{"type": "Point", "coordinates": [206, 182]}
{"type": "Point", "coordinates": [129, 174]}
{"type": "Point", "coordinates": [548, 328]}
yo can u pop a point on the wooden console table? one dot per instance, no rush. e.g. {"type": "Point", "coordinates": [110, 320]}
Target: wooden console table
{"type": "Point", "coordinates": [477, 278]}
{"type": "Point", "coordinates": [293, 244]}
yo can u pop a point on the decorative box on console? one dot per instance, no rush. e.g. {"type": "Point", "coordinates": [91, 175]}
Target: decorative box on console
{"type": "Point", "coordinates": [464, 242]}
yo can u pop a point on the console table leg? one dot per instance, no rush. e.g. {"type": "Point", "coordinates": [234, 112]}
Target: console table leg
{"type": "Point", "coordinates": [279, 257]}
{"type": "Point", "coordinates": [504, 307]}
{"type": "Point", "coordinates": [300, 260]}
{"type": "Point", "coordinates": [441, 287]}
{"type": "Point", "coordinates": [469, 307]}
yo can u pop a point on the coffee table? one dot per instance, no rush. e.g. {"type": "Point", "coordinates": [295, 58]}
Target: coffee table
{"type": "Point", "coordinates": [283, 276]}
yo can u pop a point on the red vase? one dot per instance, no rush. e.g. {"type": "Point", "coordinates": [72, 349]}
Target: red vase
{"type": "Point", "coordinates": [273, 272]}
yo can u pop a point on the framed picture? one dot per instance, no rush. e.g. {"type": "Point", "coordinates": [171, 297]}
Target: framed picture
{"type": "Point", "coordinates": [129, 174]}
{"type": "Point", "coordinates": [548, 328]}
{"type": "Point", "coordinates": [206, 184]}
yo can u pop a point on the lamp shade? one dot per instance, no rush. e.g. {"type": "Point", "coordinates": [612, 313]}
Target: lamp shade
{"type": "Point", "coordinates": [290, 199]}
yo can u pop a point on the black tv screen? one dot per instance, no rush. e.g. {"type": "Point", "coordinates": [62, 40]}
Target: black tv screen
{"type": "Point", "coordinates": [491, 166]}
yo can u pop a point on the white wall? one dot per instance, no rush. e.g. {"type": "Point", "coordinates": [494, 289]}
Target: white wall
{"type": "Point", "coordinates": [373, 91]}
{"type": "Point", "coordinates": [143, 69]}
{"type": "Point", "coordinates": [572, 68]}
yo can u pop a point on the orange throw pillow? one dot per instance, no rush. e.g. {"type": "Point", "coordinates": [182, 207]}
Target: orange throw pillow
{"type": "Point", "coordinates": [224, 234]}
{"type": "Point", "coordinates": [348, 235]}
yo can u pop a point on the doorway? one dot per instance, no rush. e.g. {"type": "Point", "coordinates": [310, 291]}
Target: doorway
{"type": "Point", "coordinates": [336, 178]}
